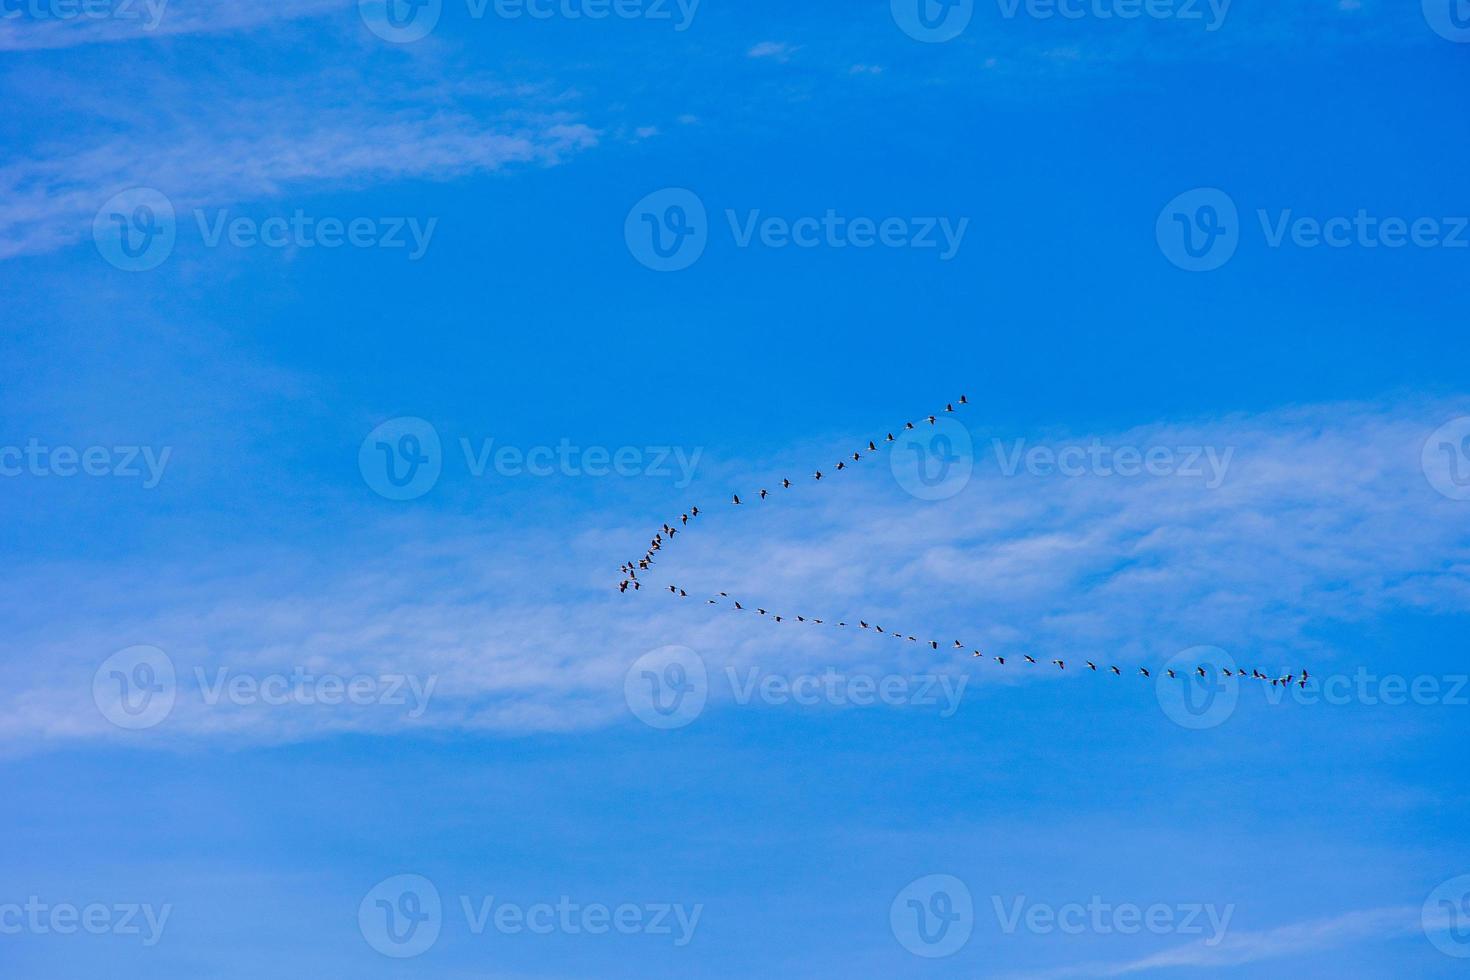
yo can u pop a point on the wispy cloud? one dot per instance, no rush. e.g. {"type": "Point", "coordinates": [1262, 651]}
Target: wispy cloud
{"type": "Point", "coordinates": [776, 50]}
{"type": "Point", "coordinates": [1240, 948]}
{"type": "Point", "coordinates": [1324, 516]}
{"type": "Point", "coordinates": [249, 147]}
{"type": "Point", "coordinates": [142, 20]}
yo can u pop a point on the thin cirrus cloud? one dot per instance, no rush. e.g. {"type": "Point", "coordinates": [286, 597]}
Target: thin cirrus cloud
{"type": "Point", "coordinates": [252, 150]}
{"type": "Point", "coordinates": [1242, 948]}
{"type": "Point", "coordinates": [1323, 517]}
{"type": "Point", "coordinates": [142, 20]}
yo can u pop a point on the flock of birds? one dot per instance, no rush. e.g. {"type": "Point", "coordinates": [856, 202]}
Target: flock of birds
{"type": "Point", "coordinates": [666, 533]}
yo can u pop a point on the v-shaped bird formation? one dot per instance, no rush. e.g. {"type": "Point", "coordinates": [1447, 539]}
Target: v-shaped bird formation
{"type": "Point", "coordinates": [666, 533]}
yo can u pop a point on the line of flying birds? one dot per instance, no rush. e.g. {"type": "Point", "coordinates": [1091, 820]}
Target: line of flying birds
{"type": "Point", "coordinates": [667, 532]}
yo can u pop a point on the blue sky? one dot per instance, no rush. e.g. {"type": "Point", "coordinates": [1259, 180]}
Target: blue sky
{"type": "Point", "coordinates": [1233, 244]}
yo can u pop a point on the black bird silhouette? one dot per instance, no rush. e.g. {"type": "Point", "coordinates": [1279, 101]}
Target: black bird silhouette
{"type": "Point", "coordinates": [738, 605]}
{"type": "Point", "coordinates": [624, 586]}
{"type": "Point", "coordinates": [908, 425]}
{"type": "Point", "coordinates": [1116, 671]}
{"type": "Point", "coordinates": [819, 474]}
{"type": "Point", "coordinates": [872, 448]}
{"type": "Point", "coordinates": [1172, 674]}
{"type": "Point", "coordinates": [1060, 665]}
{"type": "Point", "coordinates": [1029, 659]}
{"type": "Point", "coordinates": [1091, 665]}
{"type": "Point", "coordinates": [934, 644]}
{"type": "Point", "coordinates": [683, 593]}
{"type": "Point", "coordinates": [1143, 671]}
{"type": "Point", "coordinates": [763, 495]}
{"type": "Point", "coordinates": [931, 420]}
{"type": "Point", "coordinates": [1001, 661]}
{"type": "Point", "coordinates": [841, 465]}
{"type": "Point", "coordinates": [890, 437]}
{"type": "Point", "coordinates": [736, 497]}
{"type": "Point", "coordinates": [1200, 671]}
{"type": "Point", "coordinates": [786, 484]}
{"type": "Point", "coordinates": [964, 400]}
{"type": "Point", "coordinates": [694, 511]}
{"type": "Point", "coordinates": [949, 408]}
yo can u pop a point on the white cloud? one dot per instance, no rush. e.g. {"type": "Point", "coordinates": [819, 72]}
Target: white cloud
{"type": "Point", "coordinates": [147, 19]}
{"type": "Point", "coordinates": [1240, 948]}
{"type": "Point", "coordinates": [1323, 517]}
{"type": "Point", "coordinates": [778, 50]}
